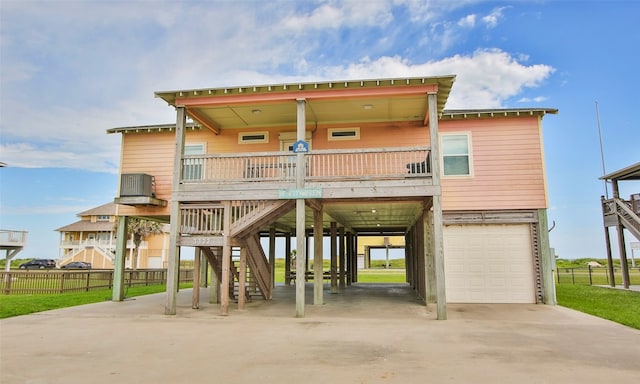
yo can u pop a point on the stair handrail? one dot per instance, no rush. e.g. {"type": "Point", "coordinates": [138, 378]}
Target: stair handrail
{"type": "Point", "coordinates": [627, 214]}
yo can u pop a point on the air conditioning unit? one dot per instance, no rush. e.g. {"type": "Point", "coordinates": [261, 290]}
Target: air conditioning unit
{"type": "Point", "coordinates": [137, 184]}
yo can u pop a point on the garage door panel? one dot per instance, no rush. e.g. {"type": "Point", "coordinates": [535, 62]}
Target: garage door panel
{"type": "Point", "coordinates": [489, 264]}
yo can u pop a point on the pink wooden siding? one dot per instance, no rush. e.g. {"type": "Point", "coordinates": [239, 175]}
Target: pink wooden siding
{"type": "Point", "coordinates": [507, 169]}
{"type": "Point", "coordinates": [150, 153]}
{"type": "Point", "coordinates": [507, 162]}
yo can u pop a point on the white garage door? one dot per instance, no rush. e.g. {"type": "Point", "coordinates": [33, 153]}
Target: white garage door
{"type": "Point", "coordinates": [489, 264]}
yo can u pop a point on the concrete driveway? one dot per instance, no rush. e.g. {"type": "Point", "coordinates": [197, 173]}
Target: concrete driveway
{"type": "Point", "coordinates": [366, 334]}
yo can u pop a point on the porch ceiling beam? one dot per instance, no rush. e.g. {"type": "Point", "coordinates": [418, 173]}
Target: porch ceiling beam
{"type": "Point", "coordinates": [204, 121]}
{"type": "Point", "coordinates": [426, 115]}
{"type": "Point", "coordinates": [308, 95]}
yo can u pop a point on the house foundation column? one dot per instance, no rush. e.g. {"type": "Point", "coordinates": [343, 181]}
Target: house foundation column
{"type": "Point", "coordinates": [272, 255]}
{"type": "Point", "coordinates": [301, 253]}
{"type": "Point", "coordinates": [174, 233]}
{"type": "Point", "coordinates": [195, 296]}
{"type": "Point", "coordinates": [226, 261]}
{"type": "Point", "coordinates": [118, 268]}
{"type": "Point", "coordinates": [334, 257]}
{"type": "Point", "coordinates": [438, 250]}
{"type": "Point", "coordinates": [546, 259]}
{"type": "Point", "coordinates": [287, 259]}
{"type": "Point", "coordinates": [318, 273]}
{"type": "Point", "coordinates": [343, 258]}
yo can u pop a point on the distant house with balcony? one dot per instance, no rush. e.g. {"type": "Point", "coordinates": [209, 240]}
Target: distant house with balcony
{"type": "Point", "coordinates": [92, 239]}
{"type": "Point", "coordinates": [466, 189]}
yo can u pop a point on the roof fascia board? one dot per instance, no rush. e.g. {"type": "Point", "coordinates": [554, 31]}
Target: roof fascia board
{"type": "Point", "coordinates": [309, 95]}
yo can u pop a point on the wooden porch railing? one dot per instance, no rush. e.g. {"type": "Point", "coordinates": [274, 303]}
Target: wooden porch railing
{"type": "Point", "coordinates": [207, 219]}
{"type": "Point", "coordinates": [321, 165]}
{"type": "Point", "coordinates": [10, 238]}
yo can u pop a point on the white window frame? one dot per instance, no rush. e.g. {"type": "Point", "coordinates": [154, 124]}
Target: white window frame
{"type": "Point", "coordinates": [332, 131]}
{"type": "Point", "coordinates": [194, 170]}
{"type": "Point", "coordinates": [469, 156]}
{"type": "Point", "coordinates": [242, 137]}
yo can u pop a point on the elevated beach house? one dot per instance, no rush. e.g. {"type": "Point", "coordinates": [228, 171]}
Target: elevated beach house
{"type": "Point", "coordinates": [92, 239]}
{"type": "Point", "coordinates": [346, 159]}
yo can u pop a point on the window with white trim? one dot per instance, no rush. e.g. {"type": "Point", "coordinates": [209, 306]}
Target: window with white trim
{"type": "Point", "coordinates": [343, 134]}
{"type": "Point", "coordinates": [192, 168]}
{"type": "Point", "coordinates": [253, 137]}
{"type": "Point", "coordinates": [456, 155]}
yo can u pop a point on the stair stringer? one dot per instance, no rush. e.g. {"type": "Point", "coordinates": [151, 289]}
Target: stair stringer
{"type": "Point", "coordinates": [214, 256]}
{"type": "Point", "coordinates": [267, 215]}
{"type": "Point", "coordinates": [257, 261]}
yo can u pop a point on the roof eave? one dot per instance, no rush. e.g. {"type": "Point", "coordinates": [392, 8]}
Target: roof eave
{"type": "Point", "coordinates": [631, 172]}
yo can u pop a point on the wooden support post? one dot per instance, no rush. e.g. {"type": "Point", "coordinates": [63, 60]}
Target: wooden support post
{"type": "Point", "coordinates": [343, 258]}
{"type": "Point", "coordinates": [334, 256]}
{"type": "Point", "coordinates": [195, 297]}
{"type": "Point", "coordinates": [438, 250]}
{"type": "Point", "coordinates": [242, 277]}
{"type": "Point", "coordinates": [622, 248]}
{"type": "Point", "coordinates": [301, 253]}
{"type": "Point", "coordinates": [204, 268]}
{"type": "Point", "coordinates": [214, 288]}
{"type": "Point", "coordinates": [546, 259]}
{"type": "Point", "coordinates": [349, 257]}
{"type": "Point", "coordinates": [354, 259]}
{"type": "Point", "coordinates": [118, 268]}
{"type": "Point", "coordinates": [318, 269]}
{"type": "Point", "coordinates": [272, 255]}
{"type": "Point", "coordinates": [624, 267]}
{"type": "Point", "coordinates": [300, 257]}
{"type": "Point", "coordinates": [174, 232]}
{"type": "Point", "coordinates": [307, 264]}
{"type": "Point", "coordinates": [226, 261]}
{"type": "Point", "coordinates": [612, 275]}
{"type": "Point", "coordinates": [287, 259]}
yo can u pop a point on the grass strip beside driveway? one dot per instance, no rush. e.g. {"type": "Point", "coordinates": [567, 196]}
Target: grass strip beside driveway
{"type": "Point", "coordinates": [16, 305]}
{"type": "Point", "coordinates": [616, 305]}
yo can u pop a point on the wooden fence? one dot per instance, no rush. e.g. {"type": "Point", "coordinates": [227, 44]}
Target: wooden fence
{"type": "Point", "coordinates": [594, 276]}
{"type": "Point", "coordinates": [58, 281]}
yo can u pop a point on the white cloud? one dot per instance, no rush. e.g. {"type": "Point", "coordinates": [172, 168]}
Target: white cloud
{"type": "Point", "coordinates": [492, 19]}
{"type": "Point", "coordinates": [537, 99]}
{"type": "Point", "coordinates": [468, 21]}
{"type": "Point", "coordinates": [337, 14]}
{"type": "Point", "coordinates": [484, 79]}
{"type": "Point", "coordinates": [71, 70]}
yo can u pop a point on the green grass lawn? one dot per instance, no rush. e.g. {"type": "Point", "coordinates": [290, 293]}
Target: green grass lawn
{"type": "Point", "coordinates": [16, 305]}
{"type": "Point", "coordinates": [612, 304]}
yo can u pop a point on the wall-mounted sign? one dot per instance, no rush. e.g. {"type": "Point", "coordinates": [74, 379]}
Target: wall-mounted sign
{"type": "Point", "coordinates": [300, 146]}
{"type": "Point", "coordinates": [300, 193]}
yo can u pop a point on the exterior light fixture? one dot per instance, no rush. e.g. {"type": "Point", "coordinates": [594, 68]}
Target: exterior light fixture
{"type": "Point", "coordinates": [367, 106]}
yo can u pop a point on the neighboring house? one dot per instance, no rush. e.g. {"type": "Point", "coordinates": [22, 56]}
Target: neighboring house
{"type": "Point", "coordinates": [465, 188]}
{"type": "Point", "coordinates": [11, 242]}
{"type": "Point", "coordinates": [92, 239]}
{"type": "Point", "coordinates": [621, 214]}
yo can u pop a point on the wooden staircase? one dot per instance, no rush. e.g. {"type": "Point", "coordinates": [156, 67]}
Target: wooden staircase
{"type": "Point", "coordinates": [248, 219]}
{"type": "Point", "coordinates": [629, 219]}
{"type": "Point", "coordinates": [253, 215]}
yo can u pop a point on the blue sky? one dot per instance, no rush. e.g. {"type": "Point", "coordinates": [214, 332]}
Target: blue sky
{"type": "Point", "coordinates": [69, 70]}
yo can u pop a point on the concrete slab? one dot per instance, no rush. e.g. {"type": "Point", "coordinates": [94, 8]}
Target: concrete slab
{"type": "Point", "coordinates": [366, 334]}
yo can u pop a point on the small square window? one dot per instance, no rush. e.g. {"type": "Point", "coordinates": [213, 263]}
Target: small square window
{"type": "Point", "coordinates": [344, 134]}
{"type": "Point", "coordinates": [456, 155]}
{"type": "Point", "coordinates": [253, 137]}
